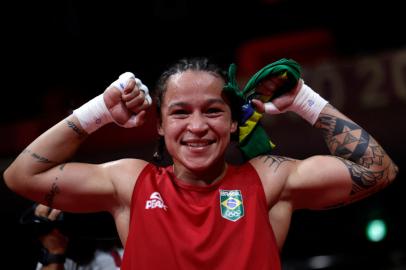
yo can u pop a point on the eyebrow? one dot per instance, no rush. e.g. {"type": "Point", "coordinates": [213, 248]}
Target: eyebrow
{"type": "Point", "coordinates": [209, 102]}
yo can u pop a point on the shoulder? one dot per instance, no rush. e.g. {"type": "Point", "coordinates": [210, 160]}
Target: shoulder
{"type": "Point", "coordinates": [273, 172]}
{"type": "Point", "coordinates": [124, 174]}
{"type": "Point", "coordinates": [273, 164]}
{"type": "Point", "coordinates": [122, 168]}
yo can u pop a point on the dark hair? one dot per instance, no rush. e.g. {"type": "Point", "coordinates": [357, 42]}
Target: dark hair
{"type": "Point", "coordinates": [196, 64]}
{"type": "Point", "coordinates": [182, 65]}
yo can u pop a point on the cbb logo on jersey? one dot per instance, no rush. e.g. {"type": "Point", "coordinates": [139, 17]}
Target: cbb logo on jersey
{"type": "Point", "coordinates": [231, 204]}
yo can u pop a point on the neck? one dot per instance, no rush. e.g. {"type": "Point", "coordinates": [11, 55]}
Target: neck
{"type": "Point", "coordinates": [200, 178]}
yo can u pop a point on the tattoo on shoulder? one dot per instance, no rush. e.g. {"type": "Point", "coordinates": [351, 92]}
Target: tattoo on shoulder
{"type": "Point", "coordinates": [275, 161]}
{"type": "Point", "coordinates": [50, 196]}
{"type": "Point", "coordinates": [37, 156]}
{"type": "Point", "coordinates": [75, 128]}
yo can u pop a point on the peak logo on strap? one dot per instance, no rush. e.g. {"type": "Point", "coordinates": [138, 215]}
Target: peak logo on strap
{"type": "Point", "coordinates": [231, 204]}
{"type": "Point", "coordinates": [155, 201]}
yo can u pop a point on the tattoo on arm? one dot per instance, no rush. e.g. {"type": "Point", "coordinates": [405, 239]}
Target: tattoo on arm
{"type": "Point", "coordinates": [275, 161]}
{"type": "Point", "coordinates": [364, 181]}
{"type": "Point", "coordinates": [362, 177]}
{"type": "Point", "coordinates": [75, 128]}
{"type": "Point", "coordinates": [50, 196]}
{"type": "Point", "coordinates": [37, 157]}
{"type": "Point", "coordinates": [348, 140]}
{"type": "Point", "coordinates": [369, 166]}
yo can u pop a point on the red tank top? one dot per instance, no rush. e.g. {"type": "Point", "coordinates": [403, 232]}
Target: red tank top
{"type": "Point", "coordinates": [174, 225]}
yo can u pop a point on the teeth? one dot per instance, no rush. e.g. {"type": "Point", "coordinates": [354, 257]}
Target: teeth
{"type": "Point", "coordinates": [197, 144]}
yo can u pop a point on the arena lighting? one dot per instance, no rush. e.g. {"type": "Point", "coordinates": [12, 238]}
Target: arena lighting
{"type": "Point", "coordinates": [321, 262]}
{"type": "Point", "coordinates": [376, 230]}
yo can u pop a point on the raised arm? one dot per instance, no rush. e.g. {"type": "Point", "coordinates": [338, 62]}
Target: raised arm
{"type": "Point", "coordinates": [363, 168]}
{"type": "Point", "coordinates": [358, 165]}
{"type": "Point", "coordinates": [40, 172]}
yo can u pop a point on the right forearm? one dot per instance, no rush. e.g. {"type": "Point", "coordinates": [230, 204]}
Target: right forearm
{"type": "Point", "coordinates": [37, 172]}
{"type": "Point", "coordinates": [61, 141]}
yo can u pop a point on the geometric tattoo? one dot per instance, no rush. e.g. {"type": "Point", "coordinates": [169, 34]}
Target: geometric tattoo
{"type": "Point", "coordinates": [356, 149]}
{"type": "Point", "coordinates": [345, 138]}
{"type": "Point", "coordinates": [363, 178]}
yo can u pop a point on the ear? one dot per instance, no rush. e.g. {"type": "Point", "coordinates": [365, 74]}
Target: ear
{"type": "Point", "coordinates": [234, 126]}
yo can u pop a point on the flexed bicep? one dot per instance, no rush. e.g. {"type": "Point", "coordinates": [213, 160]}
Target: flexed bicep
{"type": "Point", "coordinates": [76, 187]}
{"type": "Point", "coordinates": [319, 182]}
{"type": "Point", "coordinates": [323, 182]}
{"type": "Point", "coordinates": [369, 166]}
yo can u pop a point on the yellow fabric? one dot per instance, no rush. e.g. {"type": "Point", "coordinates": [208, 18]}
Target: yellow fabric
{"type": "Point", "coordinates": [249, 125]}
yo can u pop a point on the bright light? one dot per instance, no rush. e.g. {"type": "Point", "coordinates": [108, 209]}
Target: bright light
{"type": "Point", "coordinates": [376, 230]}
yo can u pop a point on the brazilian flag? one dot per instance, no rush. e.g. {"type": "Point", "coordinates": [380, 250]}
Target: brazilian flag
{"type": "Point", "coordinates": [253, 139]}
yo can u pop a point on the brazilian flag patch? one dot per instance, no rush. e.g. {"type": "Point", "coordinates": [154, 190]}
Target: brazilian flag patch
{"type": "Point", "coordinates": [231, 204]}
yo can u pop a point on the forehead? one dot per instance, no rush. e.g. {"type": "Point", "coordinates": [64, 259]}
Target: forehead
{"type": "Point", "coordinates": [193, 85]}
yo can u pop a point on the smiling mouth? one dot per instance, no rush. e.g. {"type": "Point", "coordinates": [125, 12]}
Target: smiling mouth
{"type": "Point", "coordinates": [198, 144]}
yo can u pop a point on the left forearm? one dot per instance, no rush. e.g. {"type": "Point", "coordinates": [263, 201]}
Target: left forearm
{"type": "Point", "coordinates": [369, 165]}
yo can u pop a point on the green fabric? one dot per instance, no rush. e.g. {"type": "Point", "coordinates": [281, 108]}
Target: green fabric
{"type": "Point", "coordinates": [257, 142]}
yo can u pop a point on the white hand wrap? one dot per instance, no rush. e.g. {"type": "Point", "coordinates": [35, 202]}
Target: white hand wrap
{"type": "Point", "coordinates": [94, 114]}
{"type": "Point", "coordinates": [122, 82]}
{"type": "Point", "coordinates": [308, 104]}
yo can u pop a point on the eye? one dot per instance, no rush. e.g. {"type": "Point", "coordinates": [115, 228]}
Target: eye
{"type": "Point", "coordinates": [214, 111]}
{"type": "Point", "coordinates": [179, 113]}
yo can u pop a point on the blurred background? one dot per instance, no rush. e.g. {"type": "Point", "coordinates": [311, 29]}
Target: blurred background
{"type": "Point", "coordinates": [58, 54]}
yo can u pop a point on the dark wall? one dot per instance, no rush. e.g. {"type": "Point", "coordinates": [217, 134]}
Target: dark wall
{"type": "Point", "coordinates": [58, 54]}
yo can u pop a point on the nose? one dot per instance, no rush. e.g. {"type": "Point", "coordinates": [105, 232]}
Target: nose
{"type": "Point", "coordinates": [198, 124]}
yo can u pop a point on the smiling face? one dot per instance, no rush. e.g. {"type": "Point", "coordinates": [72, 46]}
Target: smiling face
{"type": "Point", "coordinates": [196, 121]}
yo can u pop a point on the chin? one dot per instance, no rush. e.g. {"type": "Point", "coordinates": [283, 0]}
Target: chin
{"type": "Point", "coordinates": [198, 165]}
